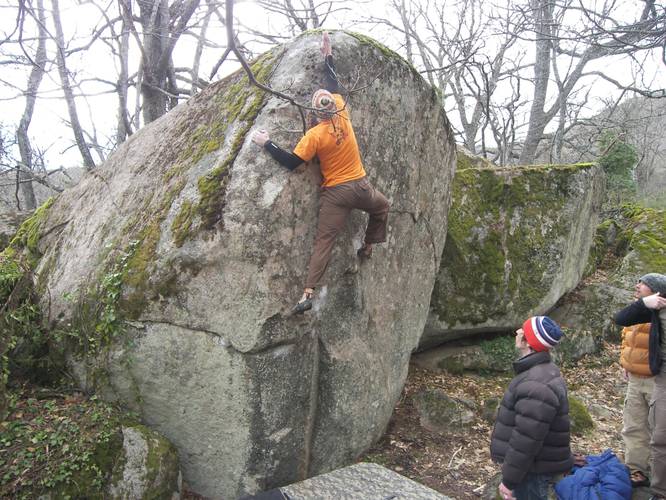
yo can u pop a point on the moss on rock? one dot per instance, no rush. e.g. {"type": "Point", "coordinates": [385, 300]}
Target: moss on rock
{"type": "Point", "coordinates": [502, 227]}
{"type": "Point", "coordinates": [28, 235]}
{"type": "Point", "coordinates": [646, 237]}
{"type": "Point", "coordinates": [579, 416]}
{"type": "Point", "coordinates": [439, 412]}
{"type": "Point", "coordinates": [20, 314]}
{"type": "Point", "coordinates": [500, 352]}
{"type": "Point", "coordinates": [240, 104]}
{"type": "Point", "coordinates": [182, 223]}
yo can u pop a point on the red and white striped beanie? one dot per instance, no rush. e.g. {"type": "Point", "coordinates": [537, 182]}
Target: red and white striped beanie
{"type": "Point", "coordinates": [541, 333]}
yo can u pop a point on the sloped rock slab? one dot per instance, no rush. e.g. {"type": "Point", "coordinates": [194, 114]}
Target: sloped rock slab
{"type": "Point", "coordinates": [363, 481]}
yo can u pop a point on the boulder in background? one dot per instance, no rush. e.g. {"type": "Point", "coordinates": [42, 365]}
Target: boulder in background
{"type": "Point", "coordinates": [518, 240]}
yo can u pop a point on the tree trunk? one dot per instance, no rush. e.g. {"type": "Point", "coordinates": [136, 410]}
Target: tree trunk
{"type": "Point", "coordinates": [88, 162]}
{"type": "Point", "coordinates": [124, 128]}
{"type": "Point", "coordinates": [161, 33]}
{"type": "Point", "coordinates": [543, 17]}
{"type": "Point", "coordinates": [34, 81]}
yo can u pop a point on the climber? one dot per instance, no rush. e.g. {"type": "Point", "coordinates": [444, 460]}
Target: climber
{"type": "Point", "coordinates": [345, 185]}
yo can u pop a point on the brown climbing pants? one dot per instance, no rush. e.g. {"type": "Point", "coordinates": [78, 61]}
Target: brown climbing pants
{"type": "Point", "coordinates": [335, 205]}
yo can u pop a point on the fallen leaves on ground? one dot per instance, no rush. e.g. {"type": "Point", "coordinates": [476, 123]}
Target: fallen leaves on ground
{"type": "Point", "coordinates": [457, 463]}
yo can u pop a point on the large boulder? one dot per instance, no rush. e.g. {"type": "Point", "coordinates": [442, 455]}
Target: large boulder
{"type": "Point", "coordinates": [630, 242]}
{"type": "Point", "coordinates": [174, 265]}
{"type": "Point", "coordinates": [518, 240]}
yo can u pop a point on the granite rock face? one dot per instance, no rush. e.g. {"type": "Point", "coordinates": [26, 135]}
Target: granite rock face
{"type": "Point", "coordinates": [174, 266]}
{"type": "Point", "coordinates": [518, 240]}
{"type": "Point", "coordinates": [629, 243]}
{"type": "Point", "coordinates": [148, 467]}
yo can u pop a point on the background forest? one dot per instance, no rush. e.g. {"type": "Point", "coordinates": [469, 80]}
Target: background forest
{"type": "Point", "coordinates": [568, 84]}
{"type": "Point", "coordinates": [522, 81]}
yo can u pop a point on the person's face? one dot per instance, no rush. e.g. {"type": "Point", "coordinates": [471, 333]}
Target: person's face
{"type": "Point", "coordinates": [520, 338]}
{"type": "Point", "coordinates": [642, 290]}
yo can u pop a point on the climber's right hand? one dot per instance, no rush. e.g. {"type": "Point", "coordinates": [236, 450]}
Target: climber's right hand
{"type": "Point", "coordinates": [325, 45]}
{"type": "Point", "coordinates": [260, 137]}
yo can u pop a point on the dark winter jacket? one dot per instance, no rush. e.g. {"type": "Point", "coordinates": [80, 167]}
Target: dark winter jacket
{"type": "Point", "coordinates": [636, 313]}
{"type": "Point", "coordinates": [604, 477]}
{"type": "Point", "coordinates": [531, 432]}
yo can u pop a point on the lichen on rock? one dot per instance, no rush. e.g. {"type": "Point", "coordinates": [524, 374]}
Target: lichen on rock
{"type": "Point", "coordinates": [630, 242]}
{"type": "Point", "coordinates": [177, 261]}
{"type": "Point", "coordinates": [517, 240]}
{"type": "Point", "coordinates": [581, 420]}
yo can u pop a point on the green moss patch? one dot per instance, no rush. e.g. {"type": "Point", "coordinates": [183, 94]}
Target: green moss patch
{"type": "Point", "coordinates": [240, 104]}
{"type": "Point", "coordinates": [57, 444]}
{"type": "Point", "coordinates": [182, 223]}
{"type": "Point", "coordinates": [162, 458]}
{"type": "Point", "coordinates": [579, 416]}
{"type": "Point", "coordinates": [646, 235]}
{"type": "Point", "coordinates": [25, 345]}
{"type": "Point", "coordinates": [28, 235]}
{"type": "Point", "coordinates": [498, 246]}
{"type": "Point", "coordinates": [630, 242]}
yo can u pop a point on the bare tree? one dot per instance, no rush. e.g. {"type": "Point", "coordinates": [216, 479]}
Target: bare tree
{"type": "Point", "coordinates": [601, 36]}
{"type": "Point", "coordinates": [300, 15]}
{"type": "Point", "coordinates": [162, 25]}
{"type": "Point", "coordinates": [34, 80]}
{"type": "Point", "coordinates": [124, 127]}
{"type": "Point", "coordinates": [75, 124]}
{"type": "Point", "coordinates": [451, 44]}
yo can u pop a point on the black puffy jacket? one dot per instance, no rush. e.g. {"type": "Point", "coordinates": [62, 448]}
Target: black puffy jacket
{"type": "Point", "coordinates": [531, 433]}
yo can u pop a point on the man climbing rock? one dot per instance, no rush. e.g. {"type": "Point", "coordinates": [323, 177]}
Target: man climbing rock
{"type": "Point", "coordinates": [531, 434]}
{"type": "Point", "coordinates": [345, 185]}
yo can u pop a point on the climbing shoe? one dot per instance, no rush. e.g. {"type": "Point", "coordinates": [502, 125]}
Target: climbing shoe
{"type": "Point", "coordinates": [638, 479]}
{"type": "Point", "coordinates": [365, 252]}
{"type": "Point", "coordinates": [305, 304]}
{"type": "Point", "coordinates": [301, 307]}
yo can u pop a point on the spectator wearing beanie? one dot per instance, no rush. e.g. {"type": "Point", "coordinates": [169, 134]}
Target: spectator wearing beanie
{"type": "Point", "coordinates": [652, 309]}
{"type": "Point", "coordinates": [531, 433]}
{"type": "Point", "coordinates": [634, 358]}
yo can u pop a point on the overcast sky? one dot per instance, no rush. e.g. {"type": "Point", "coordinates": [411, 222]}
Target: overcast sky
{"type": "Point", "coordinates": [79, 18]}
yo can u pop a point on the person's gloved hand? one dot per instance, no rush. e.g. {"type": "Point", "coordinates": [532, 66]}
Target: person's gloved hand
{"type": "Point", "coordinates": [260, 137]}
{"type": "Point", "coordinates": [325, 45]}
{"type": "Point", "coordinates": [654, 301]}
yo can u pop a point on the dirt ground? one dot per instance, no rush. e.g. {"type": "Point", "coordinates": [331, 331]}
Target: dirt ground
{"type": "Point", "coordinates": [458, 463]}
